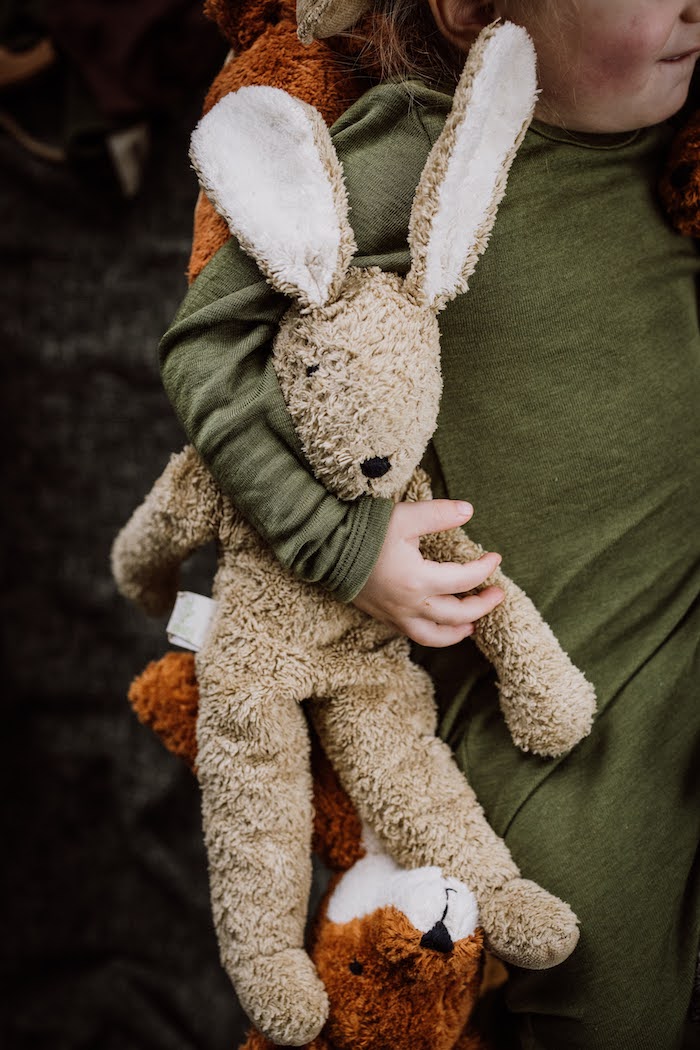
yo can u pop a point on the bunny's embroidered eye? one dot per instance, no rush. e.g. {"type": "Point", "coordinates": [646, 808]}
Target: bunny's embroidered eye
{"type": "Point", "coordinates": [311, 369]}
{"type": "Point", "coordinates": [356, 967]}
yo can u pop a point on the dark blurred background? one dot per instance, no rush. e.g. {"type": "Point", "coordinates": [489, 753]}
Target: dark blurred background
{"type": "Point", "coordinates": [106, 934]}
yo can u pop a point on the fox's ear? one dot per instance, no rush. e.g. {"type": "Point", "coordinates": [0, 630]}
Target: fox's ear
{"type": "Point", "coordinates": [465, 175]}
{"type": "Point", "coordinates": [317, 19]}
{"type": "Point", "coordinates": [267, 164]}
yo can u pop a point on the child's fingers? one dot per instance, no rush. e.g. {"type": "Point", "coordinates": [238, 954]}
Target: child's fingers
{"type": "Point", "coordinates": [427, 516]}
{"type": "Point", "coordinates": [437, 636]}
{"type": "Point", "coordinates": [447, 610]}
{"type": "Point", "coordinates": [426, 600]}
{"type": "Point", "coordinates": [455, 578]}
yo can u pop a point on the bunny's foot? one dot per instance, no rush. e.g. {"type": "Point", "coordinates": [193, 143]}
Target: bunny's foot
{"type": "Point", "coordinates": [283, 996]}
{"type": "Point", "coordinates": [528, 927]}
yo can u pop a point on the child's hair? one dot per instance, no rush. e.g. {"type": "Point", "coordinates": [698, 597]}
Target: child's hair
{"type": "Point", "coordinates": [400, 39]}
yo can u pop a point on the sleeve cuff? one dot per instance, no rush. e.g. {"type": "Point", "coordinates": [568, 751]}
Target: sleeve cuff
{"type": "Point", "coordinates": [360, 555]}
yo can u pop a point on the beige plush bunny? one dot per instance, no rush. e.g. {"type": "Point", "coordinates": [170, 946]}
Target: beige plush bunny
{"type": "Point", "coordinates": [358, 360]}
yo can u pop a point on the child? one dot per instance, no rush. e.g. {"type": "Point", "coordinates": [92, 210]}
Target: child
{"type": "Point", "coordinates": [569, 418]}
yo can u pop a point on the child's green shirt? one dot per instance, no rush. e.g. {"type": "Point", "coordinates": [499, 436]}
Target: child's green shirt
{"type": "Point", "coordinates": [570, 420]}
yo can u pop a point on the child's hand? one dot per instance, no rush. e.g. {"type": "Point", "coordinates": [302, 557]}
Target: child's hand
{"type": "Point", "coordinates": [418, 597]}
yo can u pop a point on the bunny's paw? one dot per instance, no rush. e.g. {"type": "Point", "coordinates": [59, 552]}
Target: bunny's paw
{"type": "Point", "coordinates": [283, 996]}
{"type": "Point", "coordinates": [550, 713]}
{"type": "Point", "coordinates": [528, 927]}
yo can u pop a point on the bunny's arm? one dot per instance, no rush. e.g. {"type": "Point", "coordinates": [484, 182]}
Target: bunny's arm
{"type": "Point", "coordinates": [181, 512]}
{"type": "Point", "coordinates": [546, 701]}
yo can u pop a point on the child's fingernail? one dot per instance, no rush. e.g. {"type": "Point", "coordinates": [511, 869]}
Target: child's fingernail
{"type": "Point", "coordinates": [464, 508]}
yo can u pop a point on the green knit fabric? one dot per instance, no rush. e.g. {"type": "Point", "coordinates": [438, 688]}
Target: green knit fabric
{"type": "Point", "coordinates": [570, 420]}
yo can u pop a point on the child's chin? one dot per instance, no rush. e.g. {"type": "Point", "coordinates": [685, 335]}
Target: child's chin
{"type": "Point", "coordinates": [618, 119]}
{"type": "Point", "coordinates": [669, 103]}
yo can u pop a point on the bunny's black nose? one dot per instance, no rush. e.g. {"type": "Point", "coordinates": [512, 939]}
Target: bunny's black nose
{"type": "Point", "coordinates": [375, 467]}
{"type": "Point", "coordinates": [438, 939]}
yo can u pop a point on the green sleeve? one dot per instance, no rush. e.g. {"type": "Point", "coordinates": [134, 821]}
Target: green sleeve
{"type": "Point", "coordinates": [217, 369]}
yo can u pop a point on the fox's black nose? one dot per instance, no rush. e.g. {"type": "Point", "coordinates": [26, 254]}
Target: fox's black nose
{"type": "Point", "coordinates": [375, 467]}
{"type": "Point", "coordinates": [438, 939]}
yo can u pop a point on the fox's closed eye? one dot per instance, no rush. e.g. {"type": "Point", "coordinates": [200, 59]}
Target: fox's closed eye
{"type": "Point", "coordinates": [311, 369]}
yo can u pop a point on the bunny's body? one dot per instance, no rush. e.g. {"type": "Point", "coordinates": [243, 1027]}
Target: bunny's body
{"type": "Point", "coordinates": [358, 362]}
{"type": "Point", "coordinates": [274, 642]}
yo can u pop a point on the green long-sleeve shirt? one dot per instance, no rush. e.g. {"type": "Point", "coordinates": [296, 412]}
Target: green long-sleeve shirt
{"type": "Point", "coordinates": [570, 419]}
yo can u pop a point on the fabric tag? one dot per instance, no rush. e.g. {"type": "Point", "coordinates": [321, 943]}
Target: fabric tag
{"type": "Point", "coordinates": [187, 626]}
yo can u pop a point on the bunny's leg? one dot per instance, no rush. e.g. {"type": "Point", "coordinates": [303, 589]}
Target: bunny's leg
{"type": "Point", "coordinates": [253, 767]}
{"type": "Point", "coordinates": [379, 732]}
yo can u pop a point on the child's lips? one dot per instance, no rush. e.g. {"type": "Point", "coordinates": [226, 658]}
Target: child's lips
{"type": "Point", "coordinates": [683, 55]}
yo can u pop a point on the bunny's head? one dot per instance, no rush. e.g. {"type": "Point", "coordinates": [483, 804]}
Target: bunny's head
{"type": "Point", "coordinates": [358, 354]}
{"type": "Point", "coordinates": [361, 379]}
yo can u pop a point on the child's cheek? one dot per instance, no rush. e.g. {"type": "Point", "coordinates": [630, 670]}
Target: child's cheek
{"type": "Point", "coordinates": [624, 54]}
{"type": "Point", "coordinates": [620, 64]}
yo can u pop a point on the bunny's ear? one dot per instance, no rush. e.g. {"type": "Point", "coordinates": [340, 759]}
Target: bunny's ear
{"type": "Point", "coordinates": [317, 19]}
{"type": "Point", "coordinates": [267, 164]}
{"type": "Point", "coordinates": [465, 175]}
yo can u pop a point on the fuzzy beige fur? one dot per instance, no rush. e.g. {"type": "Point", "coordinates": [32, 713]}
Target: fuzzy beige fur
{"type": "Point", "coordinates": [358, 390]}
{"type": "Point", "coordinates": [317, 19]}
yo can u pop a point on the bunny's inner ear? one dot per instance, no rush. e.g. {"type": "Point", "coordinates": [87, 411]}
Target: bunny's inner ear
{"type": "Point", "coordinates": [267, 163]}
{"type": "Point", "coordinates": [465, 175]}
{"type": "Point", "coordinates": [317, 19]}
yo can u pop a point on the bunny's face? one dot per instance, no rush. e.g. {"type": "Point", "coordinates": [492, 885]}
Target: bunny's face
{"type": "Point", "coordinates": [361, 379]}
